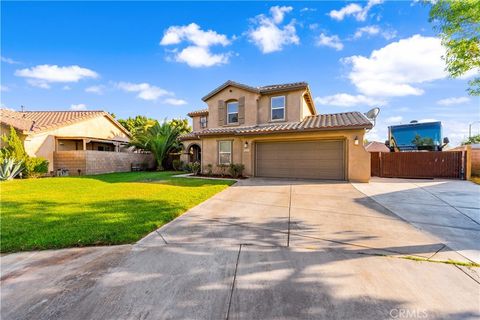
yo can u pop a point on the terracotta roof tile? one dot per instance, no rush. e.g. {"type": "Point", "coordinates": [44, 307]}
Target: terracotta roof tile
{"type": "Point", "coordinates": [261, 89]}
{"type": "Point", "coordinates": [195, 113]}
{"type": "Point", "coordinates": [35, 121]}
{"type": "Point", "coordinates": [375, 146]}
{"type": "Point", "coordinates": [337, 121]}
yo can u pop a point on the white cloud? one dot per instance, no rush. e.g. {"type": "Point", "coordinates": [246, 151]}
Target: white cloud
{"type": "Point", "coordinates": [198, 53]}
{"type": "Point", "coordinates": [95, 89]}
{"type": "Point", "coordinates": [395, 69]}
{"type": "Point", "coordinates": [198, 57]}
{"type": "Point", "coordinates": [192, 33]}
{"type": "Point", "coordinates": [370, 30]}
{"type": "Point", "coordinates": [278, 13]}
{"type": "Point", "coordinates": [144, 91]}
{"type": "Point", "coordinates": [453, 100]}
{"type": "Point", "coordinates": [269, 35]}
{"type": "Point", "coordinates": [306, 9]}
{"type": "Point", "coordinates": [4, 88]}
{"type": "Point", "coordinates": [38, 83]}
{"type": "Point", "coordinates": [394, 120]}
{"type": "Point", "coordinates": [78, 107]}
{"type": "Point", "coordinates": [8, 60]}
{"type": "Point", "coordinates": [348, 100]}
{"type": "Point", "coordinates": [329, 41]}
{"type": "Point", "coordinates": [348, 10]}
{"type": "Point", "coordinates": [374, 30]}
{"type": "Point", "coordinates": [42, 75]}
{"type": "Point", "coordinates": [66, 88]}
{"type": "Point", "coordinates": [355, 10]}
{"type": "Point", "coordinates": [175, 102]}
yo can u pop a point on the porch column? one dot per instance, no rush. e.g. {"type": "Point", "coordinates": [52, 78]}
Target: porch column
{"type": "Point", "coordinates": [84, 142]}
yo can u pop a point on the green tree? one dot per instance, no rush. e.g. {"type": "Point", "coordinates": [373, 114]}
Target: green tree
{"type": "Point", "coordinates": [13, 146]}
{"type": "Point", "coordinates": [137, 124]}
{"type": "Point", "coordinates": [458, 25]}
{"type": "Point", "coordinates": [472, 140]}
{"type": "Point", "coordinates": [160, 139]}
{"type": "Point", "coordinates": [182, 125]}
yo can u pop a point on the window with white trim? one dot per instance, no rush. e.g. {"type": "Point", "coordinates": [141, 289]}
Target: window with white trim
{"type": "Point", "coordinates": [203, 121]}
{"type": "Point", "coordinates": [278, 108]}
{"type": "Point", "coordinates": [224, 152]}
{"type": "Point", "coordinates": [232, 112]}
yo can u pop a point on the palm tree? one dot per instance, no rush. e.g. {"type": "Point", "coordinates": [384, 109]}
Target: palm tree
{"type": "Point", "coordinates": [160, 139]}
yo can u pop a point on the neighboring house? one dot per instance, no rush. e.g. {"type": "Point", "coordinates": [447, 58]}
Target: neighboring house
{"type": "Point", "coordinates": [275, 131]}
{"type": "Point", "coordinates": [375, 146]}
{"type": "Point", "coordinates": [82, 142]}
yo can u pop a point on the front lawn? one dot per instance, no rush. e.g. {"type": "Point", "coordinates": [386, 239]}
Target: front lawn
{"type": "Point", "coordinates": [105, 209]}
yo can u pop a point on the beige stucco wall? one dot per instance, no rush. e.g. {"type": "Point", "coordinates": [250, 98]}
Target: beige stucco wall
{"type": "Point", "coordinates": [257, 107]}
{"type": "Point", "coordinates": [357, 158]}
{"type": "Point", "coordinates": [293, 106]}
{"type": "Point", "coordinates": [43, 144]}
{"type": "Point", "coordinates": [233, 93]}
{"type": "Point", "coordinates": [196, 123]}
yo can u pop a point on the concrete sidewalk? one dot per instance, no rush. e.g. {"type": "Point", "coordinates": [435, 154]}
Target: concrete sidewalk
{"type": "Point", "coordinates": [446, 209]}
{"type": "Point", "coordinates": [262, 249]}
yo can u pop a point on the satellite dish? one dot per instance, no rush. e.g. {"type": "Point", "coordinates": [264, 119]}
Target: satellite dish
{"type": "Point", "coordinates": [372, 115]}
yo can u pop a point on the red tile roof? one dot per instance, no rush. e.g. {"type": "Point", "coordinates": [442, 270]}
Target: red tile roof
{"type": "Point", "coordinates": [261, 89]}
{"type": "Point", "coordinates": [195, 113]}
{"type": "Point", "coordinates": [375, 146]}
{"type": "Point", "coordinates": [35, 121]}
{"type": "Point", "coordinates": [337, 121]}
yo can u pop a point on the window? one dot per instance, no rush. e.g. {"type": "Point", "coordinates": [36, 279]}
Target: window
{"type": "Point", "coordinates": [224, 152]}
{"type": "Point", "coordinates": [203, 122]}
{"type": "Point", "coordinates": [232, 112]}
{"type": "Point", "coordinates": [278, 108]}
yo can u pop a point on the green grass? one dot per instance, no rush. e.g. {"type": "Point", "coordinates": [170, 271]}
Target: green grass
{"type": "Point", "coordinates": [107, 209]}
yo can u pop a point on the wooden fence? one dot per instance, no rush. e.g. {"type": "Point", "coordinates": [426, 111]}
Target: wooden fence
{"type": "Point", "coordinates": [418, 164]}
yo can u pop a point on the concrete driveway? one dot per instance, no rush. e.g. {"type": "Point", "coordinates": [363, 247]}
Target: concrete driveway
{"type": "Point", "coordinates": [262, 249]}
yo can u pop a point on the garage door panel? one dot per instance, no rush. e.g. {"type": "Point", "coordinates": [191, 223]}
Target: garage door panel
{"type": "Point", "coordinates": [301, 159]}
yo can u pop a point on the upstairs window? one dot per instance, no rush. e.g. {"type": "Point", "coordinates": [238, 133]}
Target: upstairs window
{"type": "Point", "coordinates": [203, 122]}
{"type": "Point", "coordinates": [278, 108]}
{"type": "Point", "coordinates": [232, 112]}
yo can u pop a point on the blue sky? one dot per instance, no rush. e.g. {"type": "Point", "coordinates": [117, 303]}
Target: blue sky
{"type": "Point", "coordinates": [159, 58]}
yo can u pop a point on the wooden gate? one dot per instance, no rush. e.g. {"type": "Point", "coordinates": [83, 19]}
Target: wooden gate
{"type": "Point", "coordinates": [418, 164]}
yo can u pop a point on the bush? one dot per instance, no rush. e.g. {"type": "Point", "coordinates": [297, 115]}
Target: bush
{"type": "Point", "coordinates": [236, 170]}
{"type": "Point", "coordinates": [177, 165]}
{"type": "Point", "coordinates": [196, 166]}
{"type": "Point", "coordinates": [10, 168]}
{"type": "Point", "coordinates": [222, 168]}
{"type": "Point", "coordinates": [35, 167]}
{"type": "Point", "coordinates": [187, 167]}
{"type": "Point", "coordinates": [13, 148]}
{"type": "Point", "coordinates": [209, 169]}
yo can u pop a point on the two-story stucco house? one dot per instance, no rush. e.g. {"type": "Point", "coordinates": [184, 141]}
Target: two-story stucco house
{"type": "Point", "coordinates": [276, 131]}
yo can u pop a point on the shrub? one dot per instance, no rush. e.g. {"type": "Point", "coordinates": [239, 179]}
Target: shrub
{"type": "Point", "coordinates": [236, 170]}
{"type": "Point", "coordinates": [177, 165]}
{"type": "Point", "coordinates": [35, 167]}
{"type": "Point", "coordinates": [188, 167]}
{"type": "Point", "coordinates": [209, 169]}
{"type": "Point", "coordinates": [10, 168]}
{"type": "Point", "coordinates": [13, 146]}
{"type": "Point", "coordinates": [196, 166]}
{"type": "Point", "coordinates": [222, 168]}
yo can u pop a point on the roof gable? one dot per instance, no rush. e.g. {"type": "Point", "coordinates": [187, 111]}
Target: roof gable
{"type": "Point", "coordinates": [261, 90]}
